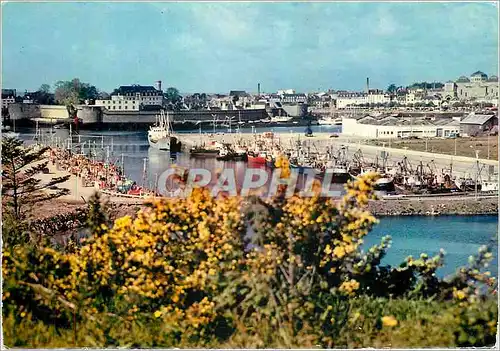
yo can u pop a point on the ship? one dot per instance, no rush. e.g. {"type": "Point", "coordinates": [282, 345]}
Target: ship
{"type": "Point", "coordinates": [280, 119]}
{"type": "Point", "coordinates": [161, 135]}
{"type": "Point", "coordinates": [227, 153]}
{"type": "Point", "coordinates": [212, 149]}
{"type": "Point", "coordinates": [330, 121]}
{"type": "Point", "coordinates": [257, 157]}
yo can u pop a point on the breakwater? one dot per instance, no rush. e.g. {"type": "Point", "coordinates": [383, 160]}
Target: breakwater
{"type": "Point", "coordinates": [439, 206]}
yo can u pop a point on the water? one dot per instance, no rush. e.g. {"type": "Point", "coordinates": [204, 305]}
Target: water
{"type": "Point", "coordinates": [133, 148]}
{"type": "Point", "coordinates": [459, 236]}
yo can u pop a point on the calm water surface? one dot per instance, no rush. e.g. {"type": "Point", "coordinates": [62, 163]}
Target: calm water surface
{"type": "Point", "coordinates": [459, 236]}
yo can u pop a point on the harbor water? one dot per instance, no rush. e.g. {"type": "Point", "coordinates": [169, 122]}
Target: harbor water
{"type": "Point", "coordinates": [459, 236]}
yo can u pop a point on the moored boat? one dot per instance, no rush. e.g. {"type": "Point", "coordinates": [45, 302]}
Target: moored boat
{"type": "Point", "coordinates": [160, 136]}
{"type": "Point", "coordinates": [257, 157]}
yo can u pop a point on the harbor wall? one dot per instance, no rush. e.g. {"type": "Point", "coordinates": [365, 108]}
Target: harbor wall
{"type": "Point", "coordinates": [96, 115]}
{"type": "Point", "coordinates": [297, 110]}
{"type": "Point", "coordinates": [53, 112]}
{"type": "Point", "coordinates": [149, 117]}
{"type": "Point", "coordinates": [20, 111]}
{"type": "Point", "coordinates": [89, 114]}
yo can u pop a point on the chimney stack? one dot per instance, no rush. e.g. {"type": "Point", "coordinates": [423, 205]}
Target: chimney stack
{"type": "Point", "coordinates": [367, 85]}
{"type": "Point", "coordinates": [158, 85]}
{"type": "Point", "coordinates": [258, 89]}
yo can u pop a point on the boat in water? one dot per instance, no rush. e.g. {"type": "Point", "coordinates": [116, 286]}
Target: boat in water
{"type": "Point", "coordinates": [212, 149]}
{"type": "Point", "coordinates": [280, 119]}
{"type": "Point", "coordinates": [330, 121]}
{"type": "Point", "coordinates": [257, 157]}
{"type": "Point", "coordinates": [161, 135]}
{"type": "Point", "coordinates": [227, 153]}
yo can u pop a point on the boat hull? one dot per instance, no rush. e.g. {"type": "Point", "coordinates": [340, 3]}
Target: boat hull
{"type": "Point", "coordinates": [204, 153]}
{"type": "Point", "coordinates": [232, 157]}
{"type": "Point", "coordinates": [256, 159]}
{"type": "Point", "coordinates": [160, 144]}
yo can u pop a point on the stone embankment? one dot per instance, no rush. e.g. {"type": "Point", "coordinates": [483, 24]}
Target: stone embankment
{"type": "Point", "coordinates": [434, 207]}
{"type": "Point", "coordinates": [393, 207]}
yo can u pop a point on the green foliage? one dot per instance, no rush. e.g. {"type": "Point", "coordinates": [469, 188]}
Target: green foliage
{"type": "Point", "coordinates": [183, 274]}
{"type": "Point", "coordinates": [73, 92]}
{"type": "Point", "coordinates": [97, 215]}
{"type": "Point", "coordinates": [392, 88]}
{"type": "Point", "coordinates": [426, 85]}
{"type": "Point", "coordinates": [21, 189]}
{"type": "Point", "coordinates": [173, 99]}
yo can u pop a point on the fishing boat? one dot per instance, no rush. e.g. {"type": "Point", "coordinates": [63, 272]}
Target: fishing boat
{"type": "Point", "coordinates": [226, 153]}
{"type": "Point", "coordinates": [161, 136]}
{"type": "Point", "coordinates": [384, 184]}
{"type": "Point", "coordinates": [340, 173]}
{"type": "Point", "coordinates": [211, 149]}
{"type": "Point", "coordinates": [257, 157]}
{"type": "Point", "coordinates": [467, 184]}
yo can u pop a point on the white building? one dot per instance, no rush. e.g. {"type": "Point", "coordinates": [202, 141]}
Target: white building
{"type": "Point", "coordinates": [397, 127]}
{"type": "Point", "coordinates": [8, 97]}
{"type": "Point", "coordinates": [133, 98]}
{"type": "Point", "coordinates": [374, 97]}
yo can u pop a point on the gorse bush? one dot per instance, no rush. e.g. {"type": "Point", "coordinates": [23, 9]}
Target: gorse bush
{"type": "Point", "coordinates": [229, 272]}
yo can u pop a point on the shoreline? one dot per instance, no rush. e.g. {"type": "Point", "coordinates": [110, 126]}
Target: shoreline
{"type": "Point", "coordinates": [379, 208]}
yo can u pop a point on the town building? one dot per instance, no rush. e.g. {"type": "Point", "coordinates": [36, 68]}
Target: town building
{"type": "Point", "coordinates": [294, 98]}
{"type": "Point", "coordinates": [8, 97]}
{"type": "Point", "coordinates": [390, 127]}
{"type": "Point", "coordinates": [371, 97]}
{"type": "Point", "coordinates": [133, 98]}
{"type": "Point", "coordinates": [477, 124]}
{"type": "Point", "coordinates": [478, 87]}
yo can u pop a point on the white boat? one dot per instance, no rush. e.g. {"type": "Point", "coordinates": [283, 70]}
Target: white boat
{"type": "Point", "coordinates": [489, 185]}
{"type": "Point", "coordinates": [330, 121]}
{"type": "Point", "coordinates": [281, 119]}
{"type": "Point", "coordinates": [160, 136]}
{"type": "Point", "coordinates": [10, 135]}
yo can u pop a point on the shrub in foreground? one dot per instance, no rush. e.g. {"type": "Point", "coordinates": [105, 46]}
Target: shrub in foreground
{"type": "Point", "coordinates": [187, 273]}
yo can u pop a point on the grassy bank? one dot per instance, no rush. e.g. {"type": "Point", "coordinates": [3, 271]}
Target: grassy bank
{"type": "Point", "coordinates": [465, 146]}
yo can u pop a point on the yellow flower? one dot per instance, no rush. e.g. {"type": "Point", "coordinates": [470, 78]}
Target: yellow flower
{"type": "Point", "coordinates": [460, 294]}
{"type": "Point", "coordinates": [23, 314]}
{"type": "Point", "coordinates": [339, 251]}
{"type": "Point", "coordinates": [157, 314]}
{"type": "Point", "coordinates": [389, 321]}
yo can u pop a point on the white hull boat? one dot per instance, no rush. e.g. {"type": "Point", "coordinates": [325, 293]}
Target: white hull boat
{"type": "Point", "coordinates": [330, 121]}
{"type": "Point", "coordinates": [160, 135]}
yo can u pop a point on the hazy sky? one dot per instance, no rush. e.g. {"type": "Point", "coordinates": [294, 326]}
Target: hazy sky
{"type": "Point", "coordinates": [216, 47]}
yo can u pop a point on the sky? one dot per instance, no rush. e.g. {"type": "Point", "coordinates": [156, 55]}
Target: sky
{"type": "Point", "coordinates": [217, 47]}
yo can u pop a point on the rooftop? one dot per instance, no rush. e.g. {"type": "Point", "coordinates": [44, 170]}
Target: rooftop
{"type": "Point", "coordinates": [133, 89]}
{"type": "Point", "coordinates": [479, 73]}
{"type": "Point", "coordinates": [476, 119]}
